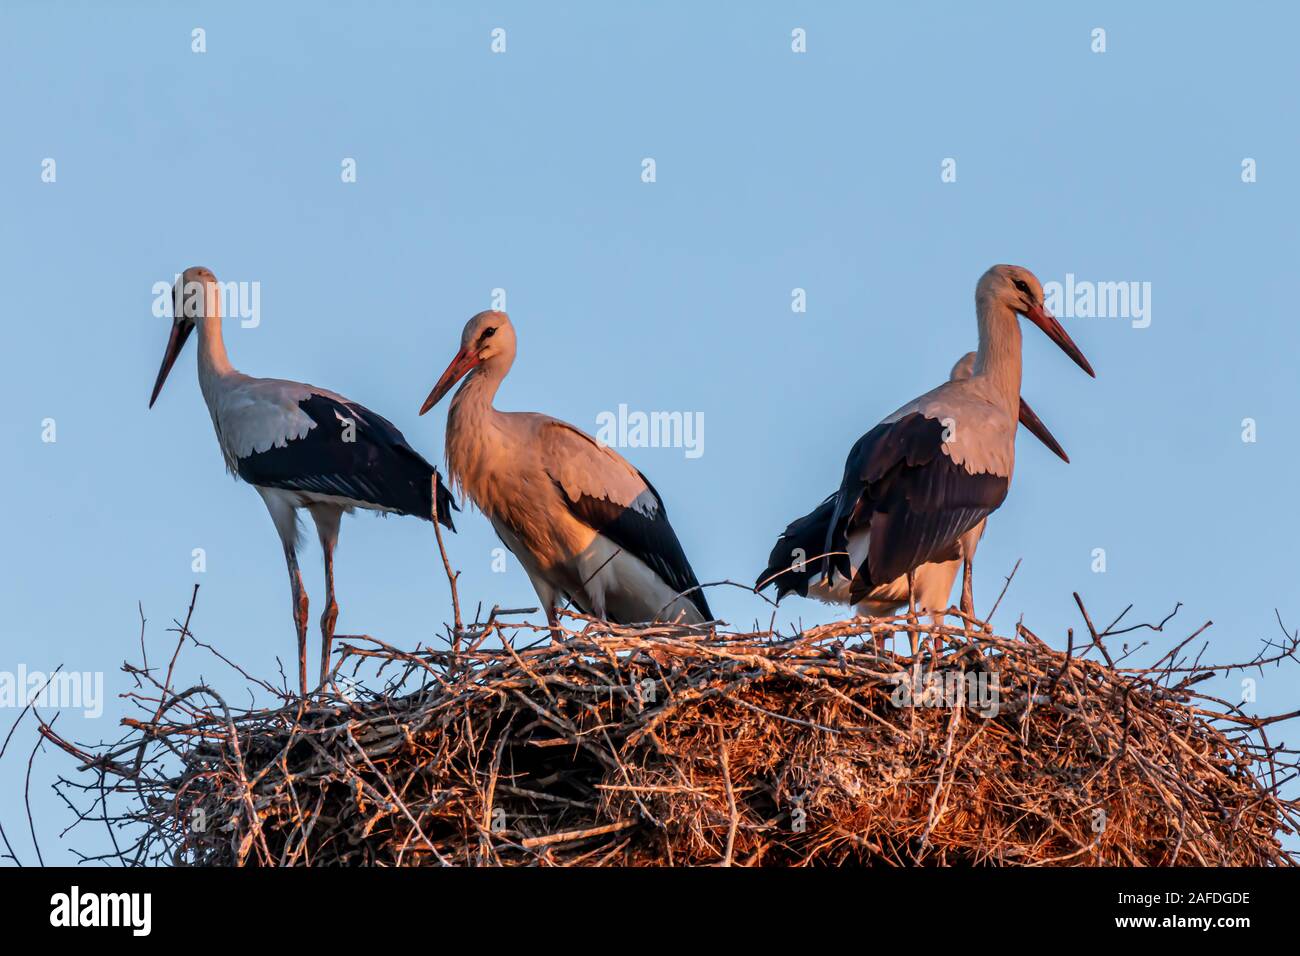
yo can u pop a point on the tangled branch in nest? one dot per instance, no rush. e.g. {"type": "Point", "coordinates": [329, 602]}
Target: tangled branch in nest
{"type": "Point", "coordinates": [672, 745]}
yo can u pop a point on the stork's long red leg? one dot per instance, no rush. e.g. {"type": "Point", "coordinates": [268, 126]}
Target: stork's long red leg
{"type": "Point", "coordinates": [327, 518]}
{"type": "Point", "coordinates": [328, 617]}
{"type": "Point", "coordinates": [911, 611]}
{"type": "Point", "coordinates": [299, 617]}
{"type": "Point", "coordinates": [967, 588]}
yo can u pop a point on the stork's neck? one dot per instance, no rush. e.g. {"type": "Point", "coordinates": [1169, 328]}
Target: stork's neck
{"type": "Point", "coordinates": [214, 365]}
{"type": "Point", "coordinates": [474, 397]}
{"type": "Point", "coordinates": [212, 347]}
{"type": "Point", "coordinates": [998, 357]}
{"type": "Point", "coordinates": [471, 421]}
{"type": "Point", "coordinates": [477, 437]}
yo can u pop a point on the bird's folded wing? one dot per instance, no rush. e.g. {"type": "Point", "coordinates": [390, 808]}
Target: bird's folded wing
{"type": "Point", "coordinates": [611, 497]}
{"type": "Point", "coordinates": [299, 438]}
{"type": "Point", "coordinates": [900, 483]}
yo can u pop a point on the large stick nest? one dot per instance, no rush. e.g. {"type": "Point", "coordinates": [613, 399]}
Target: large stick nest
{"type": "Point", "coordinates": [674, 745]}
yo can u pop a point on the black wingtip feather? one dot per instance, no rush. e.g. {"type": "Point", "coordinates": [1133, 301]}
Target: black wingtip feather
{"type": "Point", "coordinates": [804, 535]}
{"type": "Point", "coordinates": [446, 503]}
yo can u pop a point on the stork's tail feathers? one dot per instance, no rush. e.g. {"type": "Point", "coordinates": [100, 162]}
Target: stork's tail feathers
{"type": "Point", "coordinates": [785, 571]}
{"type": "Point", "coordinates": [860, 587]}
{"type": "Point", "coordinates": [792, 564]}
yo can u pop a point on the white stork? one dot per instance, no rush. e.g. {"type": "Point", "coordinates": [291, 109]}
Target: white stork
{"type": "Point", "coordinates": [793, 565]}
{"type": "Point", "coordinates": [584, 523]}
{"type": "Point", "coordinates": [926, 477]}
{"type": "Point", "coordinates": [300, 447]}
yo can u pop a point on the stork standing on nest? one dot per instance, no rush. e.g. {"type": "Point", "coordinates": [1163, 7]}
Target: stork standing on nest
{"type": "Point", "coordinates": [928, 475]}
{"type": "Point", "coordinates": [300, 447]}
{"type": "Point", "coordinates": [584, 523]}
{"type": "Point", "coordinates": [794, 565]}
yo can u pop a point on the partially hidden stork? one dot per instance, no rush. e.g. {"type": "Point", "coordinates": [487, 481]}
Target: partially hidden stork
{"type": "Point", "coordinates": [916, 485]}
{"type": "Point", "coordinates": [585, 524]}
{"type": "Point", "coordinates": [794, 565]}
{"type": "Point", "coordinates": [300, 447]}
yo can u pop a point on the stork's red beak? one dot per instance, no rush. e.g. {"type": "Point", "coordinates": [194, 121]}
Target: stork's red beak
{"type": "Point", "coordinates": [460, 366]}
{"type": "Point", "coordinates": [1039, 431]}
{"type": "Point", "coordinates": [1056, 332]}
{"type": "Point", "coordinates": [180, 332]}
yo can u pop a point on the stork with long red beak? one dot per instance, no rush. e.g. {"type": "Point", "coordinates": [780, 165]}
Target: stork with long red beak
{"type": "Point", "coordinates": [585, 524]}
{"type": "Point", "coordinates": [918, 487]}
{"type": "Point", "coordinates": [300, 447]}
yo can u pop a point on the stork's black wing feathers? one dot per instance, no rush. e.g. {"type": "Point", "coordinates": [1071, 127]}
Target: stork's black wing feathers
{"type": "Point", "coordinates": [915, 500]}
{"type": "Point", "coordinates": [376, 467]}
{"type": "Point", "coordinates": [801, 543]}
{"type": "Point", "coordinates": [649, 537]}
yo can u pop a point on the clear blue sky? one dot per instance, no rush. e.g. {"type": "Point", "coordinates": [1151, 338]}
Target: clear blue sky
{"type": "Point", "coordinates": [522, 171]}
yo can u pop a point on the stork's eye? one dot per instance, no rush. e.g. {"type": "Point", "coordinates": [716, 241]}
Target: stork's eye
{"type": "Point", "coordinates": [487, 334]}
{"type": "Point", "coordinates": [1022, 286]}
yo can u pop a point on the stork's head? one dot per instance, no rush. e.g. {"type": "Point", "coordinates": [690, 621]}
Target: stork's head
{"type": "Point", "coordinates": [1016, 289]}
{"type": "Point", "coordinates": [194, 296]}
{"type": "Point", "coordinates": [965, 368]}
{"type": "Point", "coordinates": [488, 342]}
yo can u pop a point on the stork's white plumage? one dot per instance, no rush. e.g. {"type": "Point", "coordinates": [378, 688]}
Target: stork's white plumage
{"type": "Point", "coordinates": [300, 447]}
{"type": "Point", "coordinates": [918, 486]}
{"type": "Point", "coordinates": [794, 565]}
{"type": "Point", "coordinates": [584, 523]}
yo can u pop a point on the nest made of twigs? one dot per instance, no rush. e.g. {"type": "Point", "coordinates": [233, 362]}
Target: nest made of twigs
{"type": "Point", "coordinates": [672, 745]}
